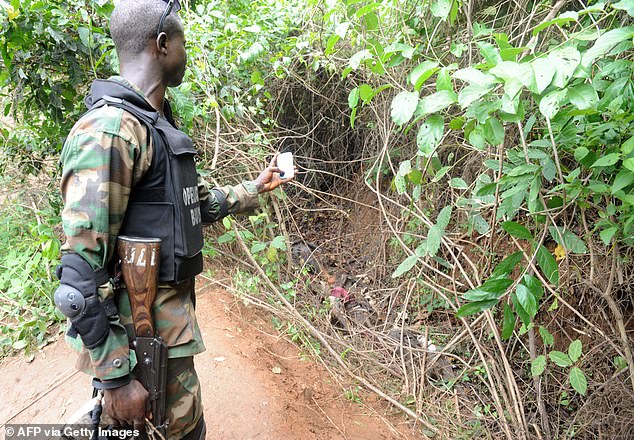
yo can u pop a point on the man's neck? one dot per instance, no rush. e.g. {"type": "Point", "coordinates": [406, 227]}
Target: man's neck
{"type": "Point", "coordinates": [141, 75]}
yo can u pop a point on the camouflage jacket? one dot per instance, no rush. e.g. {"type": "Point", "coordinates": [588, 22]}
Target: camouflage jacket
{"type": "Point", "coordinates": [106, 153]}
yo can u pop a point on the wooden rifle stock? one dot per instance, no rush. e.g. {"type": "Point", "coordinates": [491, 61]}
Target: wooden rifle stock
{"type": "Point", "coordinates": [140, 267]}
{"type": "Point", "coordinates": [140, 262]}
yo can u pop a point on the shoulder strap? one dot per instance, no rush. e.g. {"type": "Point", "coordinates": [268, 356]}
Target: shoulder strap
{"type": "Point", "coordinates": [146, 116]}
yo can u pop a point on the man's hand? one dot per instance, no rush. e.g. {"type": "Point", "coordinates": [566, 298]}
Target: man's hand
{"type": "Point", "coordinates": [269, 179]}
{"type": "Point", "coordinates": [127, 404]}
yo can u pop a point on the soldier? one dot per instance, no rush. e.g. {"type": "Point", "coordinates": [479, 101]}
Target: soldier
{"type": "Point", "coordinates": [128, 171]}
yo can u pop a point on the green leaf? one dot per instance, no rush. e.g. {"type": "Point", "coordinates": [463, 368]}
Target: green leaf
{"type": "Point", "coordinates": [605, 43]}
{"type": "Point", "coordinates": [494, 131]}
{"type": "Point", "coordinates": [434, 237]}
{"type": "Point", "coordinates": [566, 59]}
{"type": "Point", "coordinates": [489, 52]}
{"type": "Point", "coordinates": [622, 180]}
{"type": "Point", "coordinates": [564, 18]}
{"type": "Point", "coordinates": [366, 92]}
{"type": "Point", "coordinates": [330, 45]}
{"type": "Point", "coordinates": [526, 319]}
{"type": "Point", "coordinates": [84, 36]}
{"type": "Point", "coordinates": [544, 72]}
{"type": "Point", "coordinates": [627, 147]}
{"type": "Point", "coordinates": [405, 266]}
{"type": "Point", "coordinates": [226, 238]}
{"type": "Point", "coordinates": [520, 170]}
{"type": "Point", "coordinates": [526, 299]}
{"type": "Point", "coordinates": [510, 71]}
{"type": "Point", "coordinates": [258, 247]}
{"type": "Point", "coordinates": [403, 107]}
{"type": "Point", "coordinates": [547, 337]}
{"type": "Point", "coordinates": [422, 73]}
{"type": "Point", "coordinates": [252, 53]}
{"type": "Point", "coordinates": [353, 115]}
{"type": "Point", "coordinates": [620, 363]}
{"type": "Point", "coordinates": [538, 365]}
{"type": "Point", "coordinates": [625, 5]}
{"type": "Point", "coordinates": [444, 217]}
{"type": "Point", "coordinates": [581, 153]}
{"type": "Point", "coordinates": [441, 8]}
{"type": "Point", "coordinates": [436, 102]}
{"type": "Point", "coordinates": [19, 344]}
{"type": "Point", "coordinates": [560, 358]}
{"type": "Point", "coordinates": [367, 9]}
{"type": "Point", "coordinates": [429, 134]}
{"type": "Point", "coordinates": [227, 222]}
{"type": "Point", "coordinates": [606, 161]}
{"type": "Point", "coordinates": [574, 350]}
{"type": "Point", "coordinates": [509, 322]}
{"type": "Point", "coordinates": [476, 138]}
{"type": "Point", "coordinates": [548, 265]}
{"type": "Point", "coordinates": [472, 93]}
{"type": "Point", "coordinates": [353, 98]}
{"type": "Point", "coordinates": [517, 230]}
{"type": "Point", "coordinates": [475, 307]}
{"type": "Point", "coordinates": [400, 184]}
{"type": "Point", "coordinates": [571, 242]}
{"type": "Point", "coordinates": [475, 77]}
{"type": "Point", "coordinates": [534, 285]}
{"type": "Point", "coordinates": [443, 80]}
{"type": "Point", "coordinates": [578, 380]}
{"type": "Point", "coordinates": [279, 242]}
{"type": "Point", "coordinates": [491, 289]}
{"type": "Point", "coordinates": [458, 183]}
{"type": "Point", "coordinates": [583, 96]}
{"type": "Point", "coordinates": [607, 234]}
{"type": "Point", "coordinates": [550, 104]}
{"type": "Point", "coordinates": [358, 58]}
{"type": "Point", "coordinates": [397, 48]}
{"type": "Point", "coordinates": [507, 265]}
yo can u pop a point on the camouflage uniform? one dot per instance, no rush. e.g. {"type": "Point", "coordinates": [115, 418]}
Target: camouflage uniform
{"type": "Point", "coordinates": [105, 155]}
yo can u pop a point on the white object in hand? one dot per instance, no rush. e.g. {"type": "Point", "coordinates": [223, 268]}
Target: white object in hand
{"type": "Point", "coordinates": [285, 163]}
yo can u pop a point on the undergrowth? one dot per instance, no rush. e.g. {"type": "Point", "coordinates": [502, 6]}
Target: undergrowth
{"type": "Point", "coordinates": [30, 253]}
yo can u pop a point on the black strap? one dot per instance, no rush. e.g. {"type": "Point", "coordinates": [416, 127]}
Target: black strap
{"type": "Point", "coordinates": [110, 306]}
{"type": "Point", "coordinates": [102, 276]}
{"type": "Point", "coordinates": [111, 384]}
{"type": "Point", "coordinates": [147, 116]}
{"type": "Point", "coordinates": [148, 195]}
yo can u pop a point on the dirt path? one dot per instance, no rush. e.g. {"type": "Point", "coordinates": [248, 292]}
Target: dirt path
{"type": "Point", "coordinates": [255, 384]}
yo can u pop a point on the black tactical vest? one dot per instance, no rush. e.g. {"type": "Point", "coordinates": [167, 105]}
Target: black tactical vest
{"type": "Point", "coordinates": [164, 204]}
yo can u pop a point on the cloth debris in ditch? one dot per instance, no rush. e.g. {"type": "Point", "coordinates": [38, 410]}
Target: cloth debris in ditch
{"type": "Point", "coordinates": [347, 311]}
{"type": "Point", "coordinates": [414, 344]}
{"type": "Point", "coordinates": [303, 254]}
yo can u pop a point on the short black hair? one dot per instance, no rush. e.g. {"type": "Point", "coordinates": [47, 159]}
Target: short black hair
{"type": "Point", "coordinates": [134, 22]}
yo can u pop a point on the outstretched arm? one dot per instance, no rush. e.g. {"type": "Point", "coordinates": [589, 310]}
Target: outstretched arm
{"type": "Point", "coordinates": [218, 203]}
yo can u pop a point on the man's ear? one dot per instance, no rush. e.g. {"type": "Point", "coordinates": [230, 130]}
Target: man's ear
{"type": "Point", "coordinates": [161, 43]}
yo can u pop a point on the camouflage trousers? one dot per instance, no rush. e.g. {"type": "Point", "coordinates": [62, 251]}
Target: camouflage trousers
{"type": "Point", "coordinates": [184, 408]}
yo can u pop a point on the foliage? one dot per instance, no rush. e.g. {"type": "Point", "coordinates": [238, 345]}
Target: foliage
{"type": "Point", "coordinates": [27, 280]}
{"type": "Point", "coordinates": [561, 119]}
{"type": "Point", "coordinates": [49, 50]}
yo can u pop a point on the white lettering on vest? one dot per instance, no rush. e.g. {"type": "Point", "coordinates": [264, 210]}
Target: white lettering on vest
{"type": "Point", "coordinates": [190, 195]}
{"type": "Point", "coordinates": [195, 215]}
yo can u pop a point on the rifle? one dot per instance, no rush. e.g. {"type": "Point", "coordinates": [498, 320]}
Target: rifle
{"type": "Point", "coordinates": [140, 266]}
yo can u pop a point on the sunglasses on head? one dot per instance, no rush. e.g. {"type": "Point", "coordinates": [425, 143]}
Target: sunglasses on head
{"type": "Point", "coordinates": [171, 4]}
